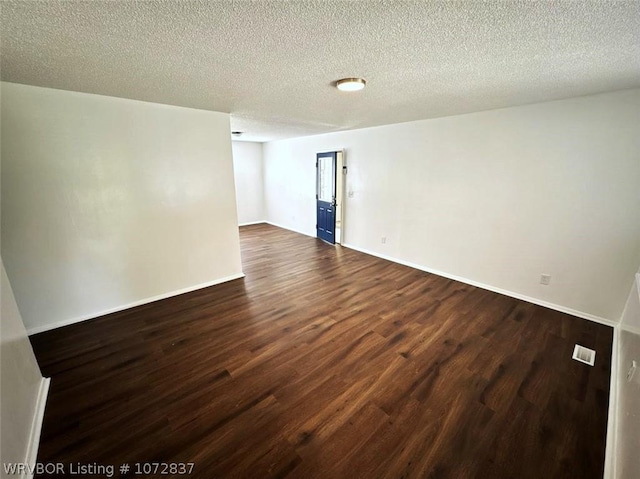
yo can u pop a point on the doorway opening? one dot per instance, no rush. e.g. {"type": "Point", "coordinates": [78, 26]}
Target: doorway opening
{"type": "Point", "coordinates": [330, 182]}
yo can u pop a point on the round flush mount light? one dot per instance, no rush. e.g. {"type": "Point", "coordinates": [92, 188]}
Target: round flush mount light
{"type": "Point", "coordinates": [351, 84]}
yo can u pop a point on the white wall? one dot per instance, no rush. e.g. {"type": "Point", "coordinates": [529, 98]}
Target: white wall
{"type": "Point", "coordinates": [108, 202]}
{"type": "Point", "coordinates": [631, 314]}
{"type": "Point", "coordinates": [22, 385]}
{"type": "Point", "coordinates": [247, 167]}
{"type": "Point", "coordinates": [495, 197]}
{"type": "Point", "coordinates": [628, 413]}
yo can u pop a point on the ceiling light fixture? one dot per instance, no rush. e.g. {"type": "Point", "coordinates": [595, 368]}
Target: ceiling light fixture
{"type": "Point", "coordinates": [351, 84]}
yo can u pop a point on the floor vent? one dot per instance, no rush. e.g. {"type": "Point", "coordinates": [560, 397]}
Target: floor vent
{"type": "Point", "coordinates": [584, 355]}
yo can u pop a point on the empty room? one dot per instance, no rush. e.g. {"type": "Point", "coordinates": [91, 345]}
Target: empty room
{"type": "Point", "coordinates": [320, 239]}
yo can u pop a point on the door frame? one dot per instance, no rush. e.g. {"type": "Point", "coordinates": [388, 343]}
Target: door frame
{"type": "Point", "coordinates": [340, 180]}
{"type": "Point", "coordinates": [326, 203]}
{"type": "Point", "coordinates": [341, 185]}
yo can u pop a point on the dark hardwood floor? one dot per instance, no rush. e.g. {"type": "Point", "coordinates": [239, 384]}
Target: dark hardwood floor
{"type": "Point", "coordinates": [325, 362]}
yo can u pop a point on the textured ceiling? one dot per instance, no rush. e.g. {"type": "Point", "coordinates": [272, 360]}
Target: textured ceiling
{"type": "Point", "coordinates": [272, 64]}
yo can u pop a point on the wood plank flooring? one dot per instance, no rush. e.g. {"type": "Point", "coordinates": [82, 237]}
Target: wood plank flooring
{"type": "Point", "coordinates": [327, 363]}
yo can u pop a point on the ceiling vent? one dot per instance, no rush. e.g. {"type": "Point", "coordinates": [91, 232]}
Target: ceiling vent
{"type": "Point", "coordinates": [584, 355]}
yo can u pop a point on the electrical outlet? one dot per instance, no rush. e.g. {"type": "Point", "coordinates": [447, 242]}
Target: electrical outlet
{"type": "Point", "coordinates": [545, 279]}
{"type": "Point", "coordinates": [383, 240]}
{"type": "Point", "coordinates": [350, 194]}
{"type": "Point", "coordinates": [632, 371]}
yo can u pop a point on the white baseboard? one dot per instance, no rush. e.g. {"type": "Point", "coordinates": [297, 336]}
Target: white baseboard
{"type": "Point", "coordinates": [59, 324]}
{"type": "Point", "coordinates": [288, 228]}
{"type": "Point", "coordinates": [36, 426]}
{"type": "Point", "coordinates": [252, 223]}
{"type": "Point", "coordinates": [528, 299]}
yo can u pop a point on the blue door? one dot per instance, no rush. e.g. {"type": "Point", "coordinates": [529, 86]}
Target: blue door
{"type": "Point", "coordinates": [326, 196]}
